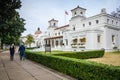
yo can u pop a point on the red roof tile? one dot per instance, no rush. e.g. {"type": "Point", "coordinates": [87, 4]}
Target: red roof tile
{"type": "Point", "coordinates": [54, 37]}
{"type": "Point", "coordinates": [61, 27]}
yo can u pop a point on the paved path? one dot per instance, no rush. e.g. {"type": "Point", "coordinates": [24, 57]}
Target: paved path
{"type": "Point", "coordinates": [26, 70]}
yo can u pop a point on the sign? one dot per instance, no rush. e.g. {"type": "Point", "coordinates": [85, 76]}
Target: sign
{"type": "Point", "coordinates": [47, 48]}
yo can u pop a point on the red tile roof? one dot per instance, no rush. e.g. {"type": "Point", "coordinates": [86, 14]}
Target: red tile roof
{"type": "Point", "coordinates": [54, 37]}
{"type": "Point", "coordinates": [61, 27]}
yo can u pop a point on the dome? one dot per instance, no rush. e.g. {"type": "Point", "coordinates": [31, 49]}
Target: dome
{"type": "Point", "coordinates": [38, 31]}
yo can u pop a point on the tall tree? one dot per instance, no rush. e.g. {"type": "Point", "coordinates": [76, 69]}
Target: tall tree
{"type": "Point", "coordinates": [13, 32]}
{"type": "Point", "coordinates": [29, 40]}
{"type": "Point", "coordinates": [11, 25]}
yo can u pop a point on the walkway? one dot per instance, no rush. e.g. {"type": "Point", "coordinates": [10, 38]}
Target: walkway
{"type": "Point", "coordinates": [26, 70]}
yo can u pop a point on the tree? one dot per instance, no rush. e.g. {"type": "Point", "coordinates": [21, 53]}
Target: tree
{"type": "Point", "coordinates": [13, 32]}
{"type": "Point", "coordinates": [11, 25]}
{"type": "Point", "coordinates": [29, 40]}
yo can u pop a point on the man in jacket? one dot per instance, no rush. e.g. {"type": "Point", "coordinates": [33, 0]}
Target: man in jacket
{"type": "Point", "coordinates": [22, 52]}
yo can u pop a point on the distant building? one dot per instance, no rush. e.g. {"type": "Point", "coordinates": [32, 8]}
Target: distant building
{"type": "Point", "coordinates": [36, 37]}
{"type": "Point", "coordinates": [84, 33]}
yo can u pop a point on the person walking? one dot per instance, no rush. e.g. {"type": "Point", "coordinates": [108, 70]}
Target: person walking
{"type": "Point", "coordinates": [22, 52]}
{"type": "Point", "coordinates": [12, 51]}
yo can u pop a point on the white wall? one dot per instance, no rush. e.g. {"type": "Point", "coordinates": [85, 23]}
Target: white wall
{"type": "Point", "coordinates": [91, 40]}
{"type": "Point", "coordinates": [108, 44]}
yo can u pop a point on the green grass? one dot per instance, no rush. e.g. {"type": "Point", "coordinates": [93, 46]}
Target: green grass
{"type": "Point", "coordinates": [118, 52]}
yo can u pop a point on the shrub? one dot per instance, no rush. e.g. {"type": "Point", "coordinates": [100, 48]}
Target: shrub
{"type": "Point", "coordinates": [82, 55]}
{"type": "Point", "coordinates": [80, 69]}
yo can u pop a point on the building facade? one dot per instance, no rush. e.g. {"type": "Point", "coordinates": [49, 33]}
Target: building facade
{"type": "Point", "coordinates": [101, 31]}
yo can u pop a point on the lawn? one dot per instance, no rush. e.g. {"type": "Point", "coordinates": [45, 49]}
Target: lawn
{"type": "Point", "coordinates": [110, 58]}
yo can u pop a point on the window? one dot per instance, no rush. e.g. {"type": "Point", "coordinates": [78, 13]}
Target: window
{"type": "Point", "coordinates": [89, 23]}
{"type": "Point", "coordinates": [81, 12]}
{"type": "Point", "coordinates": [66, 41]}
{"type": "Point", "coordinates": [55, 34]}
{"type": "Point", "coordinates": [73, 28]}
{"type": "Point", "coordinates": [107, 20]}
{"type": "Point", "coordinates": [59, 33]}
{"type": "Point", "coordinates": [112, 21]}
{"type": "Point", "coordinates": [75, 41]}
{"type": "Point", "coordinates": [83, 40]}
{"type": "Point", "coordinates": [83, 25]}
{"type": "Point", "coordinates": [75, 13]}
{"type": "Point", "coordinates": [98, 38]}
{"type": "Point", "coordinates": [97, 21]}
{"type": "Point", "coordinates": [116, 23]}
{"type": "Point", "coordinates": [113, 38]}
{"type": "Point", "coordinates": [54, 24]}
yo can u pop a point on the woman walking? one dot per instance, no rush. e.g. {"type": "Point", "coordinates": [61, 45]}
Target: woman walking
{"type": "Point", "coordinates": [12, 51]}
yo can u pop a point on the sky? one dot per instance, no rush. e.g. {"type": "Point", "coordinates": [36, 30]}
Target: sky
{"type": "Point", "coordinates": [37, 13]}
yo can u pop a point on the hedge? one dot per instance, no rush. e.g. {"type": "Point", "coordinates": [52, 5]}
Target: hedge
{"type": "Point", "coordinates": [80, 69]}
{"type": "Point", "coordinates": [82, 55]}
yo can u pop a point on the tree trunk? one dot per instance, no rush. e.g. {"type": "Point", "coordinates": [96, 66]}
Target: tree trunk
{"type": "Point", "coordinates": [1, 44]}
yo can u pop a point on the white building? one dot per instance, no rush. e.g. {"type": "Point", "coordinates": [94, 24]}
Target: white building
{"type": "Point", "coordinates": [84, 33]}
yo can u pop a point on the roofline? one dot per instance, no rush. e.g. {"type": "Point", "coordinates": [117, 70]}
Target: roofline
{"type": "Point", "coordinates": [53, 37]}
{"type": "Point", "coordinates": [78, 7]}
{"type": "Point", "coordinates": [61, 27]}
{"type": "Point", "coordinates": [101, 14]}
{"type": "Point", "coordinates": [53, 20]}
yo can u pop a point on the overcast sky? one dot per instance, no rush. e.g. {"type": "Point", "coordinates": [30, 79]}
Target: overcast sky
{"type": "Point", "coordinates": [37, 13]}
